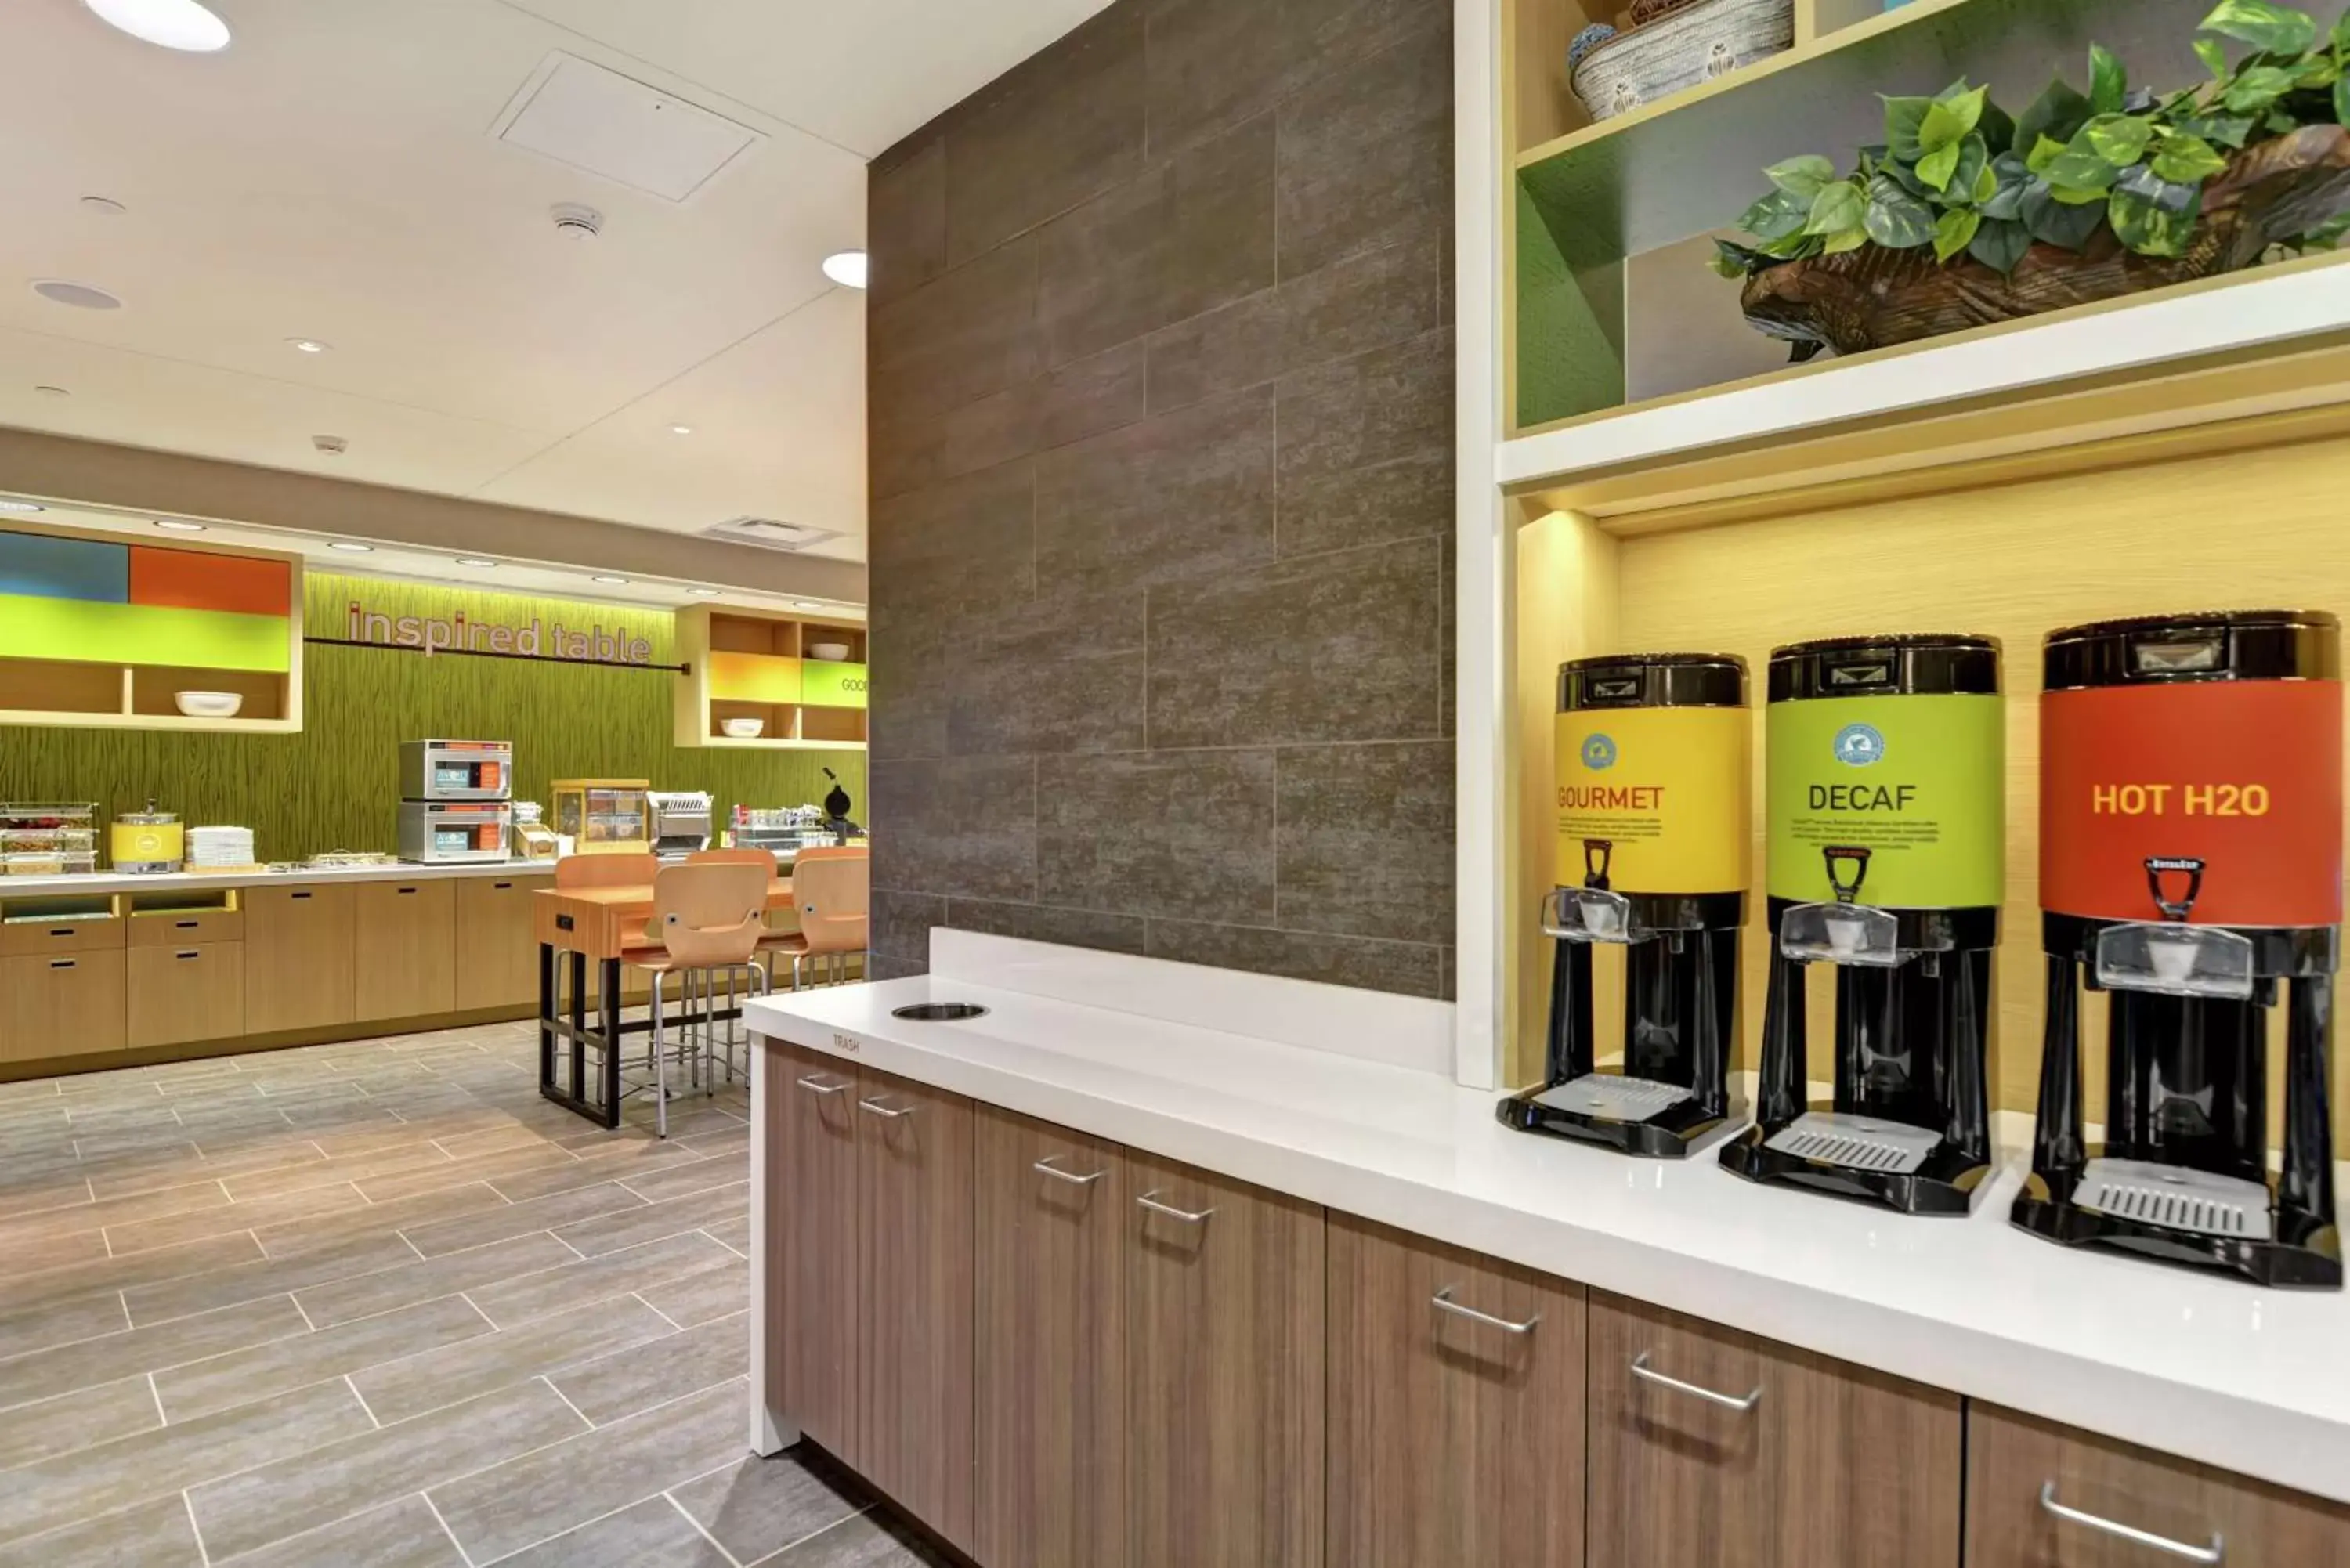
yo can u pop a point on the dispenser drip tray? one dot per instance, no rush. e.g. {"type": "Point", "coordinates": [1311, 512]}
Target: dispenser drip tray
{"type": "Point", "coordinates": [939, 1011]}
{"type": "Point", "coordinates": [2176, 1198]}
{"type": "Point", "coordinates": [1857, 1143]}
{"type": "Point", "coordinates": [1612, 1096]}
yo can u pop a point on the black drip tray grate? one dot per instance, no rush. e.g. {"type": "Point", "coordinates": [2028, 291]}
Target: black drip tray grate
{"type": "Point", "coordinates": [939, 1011]}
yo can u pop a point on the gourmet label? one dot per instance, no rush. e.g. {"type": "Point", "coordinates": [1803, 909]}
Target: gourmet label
{"type": "Point", "coordinates": [1899, 802]}
{"type": "Point", "coordinates": [2240, 781]}
{"type": "Point", "coordinates": [1658, 796]}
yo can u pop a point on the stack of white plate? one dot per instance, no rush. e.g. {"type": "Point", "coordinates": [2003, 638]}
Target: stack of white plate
{"type": "Point", "coordinates": [213, 847]}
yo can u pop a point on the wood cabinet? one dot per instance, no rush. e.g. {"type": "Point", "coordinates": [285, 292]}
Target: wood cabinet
{"type": "Point", "coordinates": [407, 954]}
{"type": "Point", "coordinates": [1048, 1329]}
{"type": "Point", "coordinates": [1224, 1388]}
{"type": "Point", "coordinates": [1712, 1448]}
{"type": "Point", "coordinates": [66, 1004]}
{"type": "Point", "coordinates": [1456, 1407]}
{"type": "Point", "coordinates": [817, 1230]}
{"type": "Point", "coordinates": [300, 958]}
{"type": "Point", "coordinates": [496, 955]}
{"type": "Point", "coordinates": [2042, 1496]}
{"type": "Point", "coordinates": [66, 934]}
{"type": "Point", "coordinates": [181, 993]}
{"type": "Point", "coordinates": [185, 928]}
{"type": "Point", "coordinates": [911, 1436]}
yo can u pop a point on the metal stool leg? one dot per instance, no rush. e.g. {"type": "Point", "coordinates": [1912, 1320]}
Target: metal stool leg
{"type": "Point", "coordinates": [661, 1065]}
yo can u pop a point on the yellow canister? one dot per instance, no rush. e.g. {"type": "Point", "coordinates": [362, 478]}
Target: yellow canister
{"type": "Point", "coordinates": [1654, 759]}
{"type": "Point", "coordinates": [148, 841]}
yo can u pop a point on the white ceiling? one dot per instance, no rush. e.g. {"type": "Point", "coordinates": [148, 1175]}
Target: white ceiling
{"type": "Point", "coordinates": [333, 175]}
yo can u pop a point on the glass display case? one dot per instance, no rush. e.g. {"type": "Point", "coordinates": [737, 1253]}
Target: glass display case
{"type": "Point", "coordinates": [605, 816]}
{"type": "Point", "coordinates": [48, 839]}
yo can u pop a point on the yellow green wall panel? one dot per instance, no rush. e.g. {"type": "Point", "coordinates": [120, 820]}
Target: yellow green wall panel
{"type": "Point", "coordinates": [335, 786]}
{"type": "Point", "coordinates": [92, 632]}
{"type": "Point", "coordinates": [825, 683]}
{"type": "Point", "coordinates": [754, 676]}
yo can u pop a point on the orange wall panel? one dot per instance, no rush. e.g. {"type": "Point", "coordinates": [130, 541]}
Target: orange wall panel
{"type": "Point", "coordinates": [184, 579]}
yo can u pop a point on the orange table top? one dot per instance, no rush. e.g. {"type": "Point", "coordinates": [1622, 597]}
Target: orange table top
{"type": "Point", "coordinates": [605, 922]}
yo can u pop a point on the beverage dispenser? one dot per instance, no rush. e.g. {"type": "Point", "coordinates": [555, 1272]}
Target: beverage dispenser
{"type": "Point", "coordinates": [1653, 830]}
{"type": "Point", "coordinates": [2191, 869]}
{"type": "Point", "coordinates": [1885, 789]}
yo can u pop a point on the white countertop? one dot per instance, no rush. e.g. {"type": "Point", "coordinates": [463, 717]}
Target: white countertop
{"type": "Point", "coordinates": [98, 884]}
{"type": "Point", "coordinates": [2253, 1380]}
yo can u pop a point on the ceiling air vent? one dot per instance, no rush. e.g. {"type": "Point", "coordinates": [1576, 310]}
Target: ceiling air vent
{"type": "Point", "coordinates": [769, 534]}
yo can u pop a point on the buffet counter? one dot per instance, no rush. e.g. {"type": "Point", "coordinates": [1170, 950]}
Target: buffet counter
{"type": "Point", "coordinates": [1966, 1313]}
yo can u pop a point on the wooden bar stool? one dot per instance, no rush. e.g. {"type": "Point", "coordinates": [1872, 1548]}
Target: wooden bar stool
{"type": "Point", "coordinates": [765, 859]}
{"type": "Point", "coordinates": [708, 919]}
{"type": "Point", "coordinates": [832, 888]}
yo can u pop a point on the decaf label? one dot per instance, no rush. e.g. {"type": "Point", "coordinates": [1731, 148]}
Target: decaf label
{"type": "Point", "coordinates": [1655, 799]}
{"type": "Point", "coordinates": [2229, 788]}
{"type": "Point", "coordinates": [1899, 802]}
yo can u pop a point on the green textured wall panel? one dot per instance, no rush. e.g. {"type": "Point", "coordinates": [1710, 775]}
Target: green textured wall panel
{"type": "Point", "coordinates": [89, 631]}
{"type": "Point", "coordinates": [1570, 326]}
{"type": "Point", "coordinates": [335, 786]}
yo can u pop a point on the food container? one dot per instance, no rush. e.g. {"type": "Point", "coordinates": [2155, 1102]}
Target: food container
{"type": "Point", "coordinates": [148, 842]}
{"type": "Point", "coordinates": [1691, 45]}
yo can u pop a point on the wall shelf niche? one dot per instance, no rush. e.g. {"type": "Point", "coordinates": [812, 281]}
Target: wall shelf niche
{"type": "Point", "coordinates": [755, 664]}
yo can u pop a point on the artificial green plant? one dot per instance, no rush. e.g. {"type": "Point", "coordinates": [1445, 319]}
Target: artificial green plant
{"type": "Point", "coordinates": [1957, 172]}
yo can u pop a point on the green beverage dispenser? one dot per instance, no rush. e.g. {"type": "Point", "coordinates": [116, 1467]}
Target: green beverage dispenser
{"type": "Point", "coordinates": [1886, 777]}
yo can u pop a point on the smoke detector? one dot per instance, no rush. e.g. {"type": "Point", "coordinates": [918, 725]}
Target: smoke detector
{"type": "Point", "coordinates": [333, 446]}
{"type": "Point", "coordinates": [768, 533]}
{"type": "Point", "coordinates": [574, 221]}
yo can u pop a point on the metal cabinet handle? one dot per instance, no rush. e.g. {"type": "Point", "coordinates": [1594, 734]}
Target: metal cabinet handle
{"type": "Point", "coordinates": [1443, 1302]}
{"type": "Point", "coordinates": [879, 1109]}
{"type": "Point", "coordinates": [2215, 1553]}
{"type": "Point", "coordinates": [1189, 1216]}
{"type": "Point", "coordinates": [1728, 1402]}
{"type": "Point", "coordinates": [817, 1086]}
{"type": "Point", "coordinates": [1046, 1165]}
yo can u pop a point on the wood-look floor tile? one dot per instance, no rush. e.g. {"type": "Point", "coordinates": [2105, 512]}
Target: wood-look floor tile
{"type": "Point", "coordinates": [252, 1280]}
{"type": "Point", "coordinates": [114, 1116]}
{"type": "Point", "coordinates": [156, 1535]}
{"type": "Point", "coordinates": [536, 1495]}
{"type": "Point", "coordinates": [339, 1225]}
{"type": "Point", "coordinates": [129, 1271]}
{"type": "Point", "coordinates": [151, 1173]}
{"type": "Point", "coordinates": [867, 1540]}
{"type": "Point", "coordinates": [683, 1178]}
{"type": "Point", "coordinates": [401, 1534]}
{"type": "Point", "coordinates": [697, 1298]}
{"type": "Point", "coordinates": [248, 1511]}
{"type": "Point", "coordinates": [648, 1534]}
{"type": "Point", "coordinates": [626, 1382]}
{"type": "Point", "coordinates": [80, 1419]}
{"type": "Point", "coordinates": [322, 1172]}
{"type": "Point", "coordinates": [508, 1220]}
{"type": "Point", "coordinates": [547, 1181]}
{"type": "Point", "coordinates": [61, 1322]}
{"type": "Point", "coordinates": [520, 1297]}
{"type": "Point", "coordinates": [755, 1507]}
{"type": "Point", "coordinates": [24, 1226]}
{"type": "Point", "coordinates": [63, 1251]}
{"type": "Point", "coordinates": [370, 1139]}
{"type": "Point", "coordinates": [710, 1145]}
{"type": "Point", "coordinates": [140, 1235]}
{"type": "Point", "coordinates": [469, 1167]}
{"type": "Point", "coordinates": [87, 1363]}
{"type": "Point", "coordinates": [87, 1481]}
{"type": "Point", "coordinates": [398, 1390]}
{"type": "Point", "coordinates": [344, 1300]}
{"type": "Point", "coordinates": [492, 1139]}
{"type": "Point", "coordinates": [345, 1349]}
{"type": "Point", "coordinates": [632, 1227]}
{"type": "Point", "coordinates": [735, 1234]}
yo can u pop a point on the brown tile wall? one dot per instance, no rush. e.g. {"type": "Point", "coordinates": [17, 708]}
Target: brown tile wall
{"type": "Point", "coordinates": [1161, 362]}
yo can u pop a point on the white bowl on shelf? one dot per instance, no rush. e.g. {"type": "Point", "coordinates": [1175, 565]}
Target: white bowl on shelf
{"type": "Point", "coordinates": [744, 729]}
{"type": "Point", "coordinates": [208, 704]}
{"type": "Point", "coordinates": [830, 652]}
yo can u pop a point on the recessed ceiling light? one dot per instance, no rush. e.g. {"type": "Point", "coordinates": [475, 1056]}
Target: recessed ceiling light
{"type": "Point", "coordinates": [703, 593]}
{"type": "Point", "coordinates": [680, 430]}
{"type": "Point", "coordinates": [52, 391]}
{"type": "Point", "coordinates": [846, 268]}
{"type": "Point", "coordinates": [179, 525]}
{"type": "Point", "coordinates": [174, 23]}
{"type": "Point", "coordinates": [350, 547]}
{"type": "Point", "coordinates": [81, 296]}
{"type": "Point", "coordinates": [476, 561]}
{"type": "Point", "coordinates": [13, 505]}
{"type": "Point", "coordinates": [104, 206]}
{"type": "Point", "coordinates": [309, 345]}
{"type": "Point", "coordinates": [618, 582]}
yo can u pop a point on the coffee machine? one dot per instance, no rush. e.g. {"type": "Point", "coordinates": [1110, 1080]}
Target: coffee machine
{"type": "Point", "coordinates": [1653, 837]}
{"type": "Point", "coordinates": [1886, 794]}
{"type": "Point", "coordinates": [2190, 869]}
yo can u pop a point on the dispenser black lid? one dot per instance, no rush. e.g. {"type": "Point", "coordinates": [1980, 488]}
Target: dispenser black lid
{"type": "Point", "coordinates": [1653, 681]}
{"type": "Point", "coordinates": [1911, 664]}
{"type": "Point", "coordinates": [2200, 645]}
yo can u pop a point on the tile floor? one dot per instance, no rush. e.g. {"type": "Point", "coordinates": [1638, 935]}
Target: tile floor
{"type": "Point", "coordinates": [379, 1305]}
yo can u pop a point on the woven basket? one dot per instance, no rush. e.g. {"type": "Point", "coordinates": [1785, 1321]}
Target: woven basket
{"type": "Point", "coordinates": [1693, 45]}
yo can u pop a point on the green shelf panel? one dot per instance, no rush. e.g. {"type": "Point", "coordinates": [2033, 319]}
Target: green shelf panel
{"type": "Point", "coordinates": [88, 631]}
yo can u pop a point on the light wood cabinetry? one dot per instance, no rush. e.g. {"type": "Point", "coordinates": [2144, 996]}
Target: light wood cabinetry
{"type": "Point", "coordinates": [815, 1173]}
{"type": "Point", "coordinates": [1050, 1345]}
{"type": "Point", "coordinates": [1456, 1407]}
{"type": "Point", "coordinates": [1224, 1386]}
{"type": "Point", "coordinates": [2042, 1496]}
{"type": "Point", "coordinates": [67, 934]}
{"type": "Point", "coordinates": [406, 958]}
{"type": "Point", "coordinates": [913, 1433]}
{"type": "Point", "coordinates": [62, 1004]}
{"type": "Point", "coordinates": [496, 953]}
{"type": "Point", "coordinates": [185, 928]}
{"type": "Point", "coordinates": [1710, 1448]}
{"type": "Point", "coordinates": [301, 958]}
{"type": "Point", "coordinates": [182, 994]}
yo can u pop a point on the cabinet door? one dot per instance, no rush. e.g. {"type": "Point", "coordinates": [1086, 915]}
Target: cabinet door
{"type": "Point", "coordinates": [300, 958]}
{"type": "Point", "coordinates": [1049, 1332]}
{"type": "Point", "coordinates": [69, 1004]}
{"type": "Point", "coordinates": [498, 958]}
{"type": "Point", "coordinates": [1225, 1372]}
{"type": "Point", "coordinates": [1454, 1438]}
{"type": "Point", "coordinates": [817, 1226]}
{"type": "Point", "coordinates": [913, 1437]}
{"type": "Point", "coordinates": [2042, 1496]}
{"type": "Point", "coordinates": [182, 994]}
{"type": "Point", "coordinates": [1711, 1448]}
{"type": "Point", "coordinates": [407, 949]}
